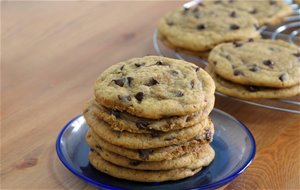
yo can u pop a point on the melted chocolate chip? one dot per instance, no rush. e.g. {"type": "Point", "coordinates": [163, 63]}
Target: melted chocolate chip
{"type": "Point", "coordinates": [254, 11]}
{"type": "Point", "coordinates": [236, 44]}
{"type": "Point", "coordinates": [253, 88]}
{"type": "Point", "coordinates": [170, 23]}
{"type": "Point", "coordinates": [135, 162]}
{"type": "Point", "coordinates": [283, 77]}
{"type": "Point", "coordinates": [142, 125]}
{"type": "Point", "coordinates": [273, 2]}
{"type": "Point", "coordinates": [234, 27]}
{"type": "Point", "coordinates": [217, 2]}
{"type": "Point", "coordinates": [233, 14]}
{"type": "Point", "coordinates": [195, 10]}
{"type": "Point", "coordinates": [188, 118]}
{"type": "Point", "coordinates": [119, 82]}
{"type": "Point", "coordinates": [201, 26]}
{"type": "Point", "coordinates": [122, 67]}
{"type": "Point", "coordinates": [139, 96]}
{"type": "Point", "coordinates": [161, 63]}
{"type": "Point", "coordinates": [185, 11]}
{"type": "Point", "coordinates": [116, 113]}
{"type": "Point", "coordinates": [155, 134]}
{"type": "Point", "coordinates": [268, 63]}
{"type": "Point", "coordinates": [129, 80]}
{"type": "Point", "coordinates": [196, 69]}
{"type": "Point", "coordinates": [169, 138]}
{"type": "Point", "coordinates": [200, 4]}
{"type": "Point", "coordinates": [144, 153]}
{"type": "Point", "coordinates": [192, 83]}
{"type": "Point", "coordinates": [238, 72]}
{"type": "Point", "coordinates": [250, 40]}
{"type": "Point", "coordinates": [139, 64]}
{"type": "Point", "coordinates": [207, 134]}
{"type": "Point", "coordinates": [297, 55]}
{"type": "Point", "coordinates": [98, 146]}
{"type": "Point", "coordinates": [152, 82]}
{"type": "Point", "coordinates": [124, 98]}
{"type": "Point", "coordinates": [92, 150]}
{"type": "Point", "coordinates": [253, 68]}
{"type": "Point", "coordinates": [179, 94]}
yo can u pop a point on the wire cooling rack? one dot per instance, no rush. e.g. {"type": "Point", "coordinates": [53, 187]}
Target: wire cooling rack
{"type": "Point", "coordinates": [288, 30]}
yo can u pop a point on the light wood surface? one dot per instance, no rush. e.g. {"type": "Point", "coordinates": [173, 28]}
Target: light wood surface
{"type": "Point", "coordinates": [51, 54]}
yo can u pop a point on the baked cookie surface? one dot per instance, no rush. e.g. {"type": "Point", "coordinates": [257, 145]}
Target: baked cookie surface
{"type": "Point", "coordinates": [202, 27]}
{"type": "Point", "coordinates": [154, 87]}
{"type": "Point", "coordinates": [250, 92]}
{"type": "Point", "coordinates": [270, 63]}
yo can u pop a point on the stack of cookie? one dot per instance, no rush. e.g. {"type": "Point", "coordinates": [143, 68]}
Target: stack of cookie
{"type": "Point", "coordinates": [149, 120]}
{"type": "Point", "coordinates": [256, 69]}
{"type": "Point", "coordinates": [196, 30]}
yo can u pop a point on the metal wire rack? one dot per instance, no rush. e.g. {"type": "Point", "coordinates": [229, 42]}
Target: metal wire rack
{"type": "Point", "coordinates": [288, 30]}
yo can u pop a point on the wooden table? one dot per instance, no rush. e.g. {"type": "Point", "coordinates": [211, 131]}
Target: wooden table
{"type": "Point", "coordinates": [52, 52]}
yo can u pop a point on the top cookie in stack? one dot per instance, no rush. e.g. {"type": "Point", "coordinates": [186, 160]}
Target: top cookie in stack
{"type": "Point", "coordinates": [149, 120]}
{"type": "Point", "coordinates": [196, 30]}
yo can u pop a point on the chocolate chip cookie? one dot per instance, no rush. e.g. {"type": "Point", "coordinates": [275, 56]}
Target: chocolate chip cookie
{"type": "Point", "coordinates": [139, 175]}
{"type": "Point", "coordinates": [155, 154]}
{"type": "Point", "coordinates": [269, 63]}
{"type": "Point", "coordinates": [197, 159]}
{"type": "Point", "coordinates": [152, 140]}
{"type": "Point", "coordinates": [202, 27]}
{"type": "Point", "coordinates": [268, 12]}
{"type": "Point", "coordinates": [122, 121]}
{"type": "Point", "coordinates": [250, 92]}
{"type": "Point", "coordinates": [154, 87]}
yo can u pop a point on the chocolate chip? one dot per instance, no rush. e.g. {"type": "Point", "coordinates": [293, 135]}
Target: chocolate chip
{"type": "Point", "coordinates": [195, 10]}
{"type": "Point", "coordinates": [142, 124]}
{"type": "Point", "coordinates": [92, 150]}
{"type": "Point", "coordinates": [200, 4]}
{"type": "Point", "coordinates": [155, 134]}
{"type": "Point", "coordinates": [179, 94]}
{"type": "Point", "coordinates": [238, 72]}
{"type": "Point", "coordinates": [268, 63]}
{"type": "Point", "coordinates": [236, 44]}
{"type": "Point", "coordinates": [135, 162]}
{"type": "Point", "coordinates": [273, 2]}
{"type": "Point", "coordinates": [98, 146]}
{"type": "Point", "coordinates": [233, 14]}
{"type": "Point", "coordinates": [152, 82]}
{"type": "Point", "coordinates": [196, 16]}
{"type": "Point", "coordinates": [144, 153]}
{"type": "Point", "coordinates": [116, 113]}
{"type": "Point", "coordinates": [256, 26]}
{"type": "Point", "coordinates": [254, 68]}
{"type": "Point", "coordinates": [253, 88]}
{"type": "Point", "coordinates": [283, 77]}
{"type": "Point", "coordinates": [170, 23]}
{"type": "Point", "coordinates": [139, 96]}
{"type": "Point", "coordinates": [174, 73]}
{"type": "Point", "coordinates": [217, 2]}
{"type": "Point", "coordinates": [207, 134]}
{"type": "Point", "coordinates": [185, 11]}
{"type": "Point", "coordinates": [129, 80]}
{"type": "Point", "coordinates": [234, 27]}
{"type": "Point", "coordinates": [297, 55]}
{"type": "Point", "coordinates": [254, 11]}
{"type": "Point", "coordinates": [196, 69]}
{"type": "Point", "coordinates": [139, 64]}
{"type": "Point", "coordinates": [188, 118]}
{"type": "Point", "coordinates": [119, 82]}
{"type": "Point", "coordinates": [169, 138]}
{"type": "Point", "coordinates": [124, 98]}
{"type": "Point", "coordinates": [161, 63]}
{"type": "Point", "coordinates": [250, 40]}
{"type": "Point", "coordinates": [201, 26]}
{"type": "Point", "coordinates": [192, 83]}
{"type": "Point", "coordinates": [230, 1]}
{"type": "Point", "coordinates": [122, 67]}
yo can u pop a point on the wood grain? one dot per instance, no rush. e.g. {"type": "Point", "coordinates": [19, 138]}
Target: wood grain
{"type": "Point", "coordinates": [52, 52]}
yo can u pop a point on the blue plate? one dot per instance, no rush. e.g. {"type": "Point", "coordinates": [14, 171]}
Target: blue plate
{"type": "Point", "coordinates": [233, 143]}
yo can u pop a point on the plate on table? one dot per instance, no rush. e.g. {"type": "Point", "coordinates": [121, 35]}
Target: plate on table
{"type": "Point", "coordinates": [233, 143]}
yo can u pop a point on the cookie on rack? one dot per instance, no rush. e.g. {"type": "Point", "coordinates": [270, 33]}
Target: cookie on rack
{"type": "Point", "coordinates": [139, 175]}
{"type": "Point", "coordinates": [267, 12]}
{"type": "Point", "coordinates": [250, 92]}
{"type": "Point", "coordinates": [155, 87]}
{"type": "Point", "coordinates": [122, 121]}
{"type": "Point", "coordinates": [202, 157]}
{"type": "Point", "coordinates": [269, 63]}
{"type": "Point", "coordinates": [155, 154]}
{"type": "Point", "coordinates": [202, 27]}
{"type": "Point", "coordinates": [152, 140]}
